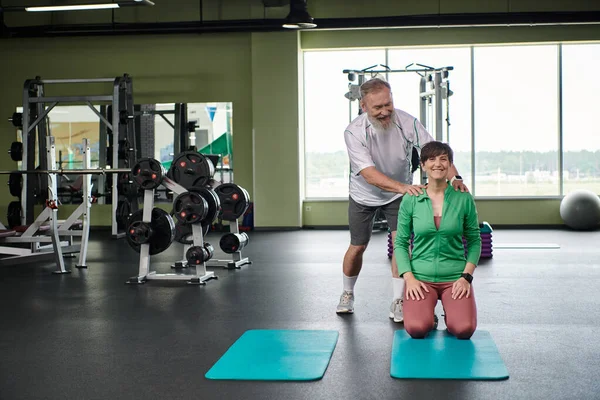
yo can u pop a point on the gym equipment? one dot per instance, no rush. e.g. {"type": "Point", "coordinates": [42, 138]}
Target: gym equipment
{"type": "Point", "coordinates": [580, 210]}
{"type": "Point", "coordinates": [50, 243]}
{"type": "Point", "coordinates": [123, 213]}
{"type": "Point", "coordinates": [125, 186]}
{"type": "Point", "coordinates": [16, 151]}
{"type": "Point", "coordinates": [13, 214]}
{"type": "Point", "coordinates": [34, 125]}
{"type": "Point", "coordinates": [191, 169]}
{"type": "Point", "coordinates": [148, 173]}
{"type": "Point", "coordinates": [183, 232]}
{"type": "Point", "coordinates": [198, 254]}
{"type": "Point", "coordinates": [235, 200]}
{"type": "Point", "coordinates": [190, 208]}
{"type": "Point", "coordinates": [213, 201]}
{"type": "Point", "coordinates": [15, 184]}
{"type": "Point", "coordinates": [233, 242]}
{"type": "Point", "coordinates": [160, 238]}
{"type": "Point", "coordinates": [442, 356]}
{"type": "Point", "coordinates": [17, 119]}
{"type": "Point", "coordinates": [277, 355]}
{"type": "Point", "coordinates": [158, 233]}
{"type": "Point", "coordinates": [237, 260]}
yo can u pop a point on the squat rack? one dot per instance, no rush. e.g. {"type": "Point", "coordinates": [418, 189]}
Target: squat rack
{"type": "Point", "coordinates": [37, 106]}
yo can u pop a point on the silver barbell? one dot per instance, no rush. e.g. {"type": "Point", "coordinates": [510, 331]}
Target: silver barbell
{"type": "Point", "coordinates": [92, 171]}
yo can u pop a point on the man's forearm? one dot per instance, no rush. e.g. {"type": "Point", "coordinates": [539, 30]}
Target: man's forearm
{"type": "Point", "coordinates": [382, 181]}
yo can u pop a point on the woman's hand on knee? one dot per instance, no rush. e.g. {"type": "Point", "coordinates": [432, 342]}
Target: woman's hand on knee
{"type": "Point", "coordinates": [461, 288]}
{"type": "Point", "coordinates": [414, 289]}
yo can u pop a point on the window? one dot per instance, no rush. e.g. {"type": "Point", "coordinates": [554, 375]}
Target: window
{"type": "Point", "coordinates": [327, 113]}
{"type": "Point", "coordinates": [516, 121]}
{"type": "Point", "coordinates": [581, 133]}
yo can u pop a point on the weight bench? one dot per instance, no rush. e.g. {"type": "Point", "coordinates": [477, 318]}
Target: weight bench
{"type": "Point", "coordinates": [4, 233]}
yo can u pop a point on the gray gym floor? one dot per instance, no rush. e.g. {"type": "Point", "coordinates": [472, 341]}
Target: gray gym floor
{"type": "Point", "coordinates": [88, 335]}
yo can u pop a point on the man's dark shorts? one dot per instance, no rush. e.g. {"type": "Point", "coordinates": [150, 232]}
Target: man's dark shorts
{"type": "Point", "coordinates": [361, 218]}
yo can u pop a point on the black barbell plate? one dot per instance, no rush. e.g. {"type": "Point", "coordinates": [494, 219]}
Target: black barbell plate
{"type": "Point", "coordinates": [16, 151]}
{"type": "Point", "coordinates": [213, 201]}
{"type": "Point", "coordinates": [15, 184]}
{"type": "Point", "coordinates": [184, 235]}
{"type": "Point", "coordinates": [163, 230]}
{"type": "Point", "coordinates": [123, 212]}
{"type": "Point", "coordinates": [148, 173]}
{"type": "Point", "coordinates": [235, 200]}
{"type": "Point", "coordinates": [17, 119]}
{"type": "Point", "coordinates": [190, 207]}
{"type": "Point", "coordinates": [191, 169]}
{"type": "Point", "coordinates": [13, 214]}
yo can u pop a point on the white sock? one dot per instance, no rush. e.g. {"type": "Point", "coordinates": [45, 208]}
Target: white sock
{"type": "Point", "coordinates": [398, 288]}
{"type": "Point", "coordinates": [349, 282]}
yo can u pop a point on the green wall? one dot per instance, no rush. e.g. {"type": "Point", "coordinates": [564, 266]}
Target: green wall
{"type": "Point", "coordinates": [276, 134]}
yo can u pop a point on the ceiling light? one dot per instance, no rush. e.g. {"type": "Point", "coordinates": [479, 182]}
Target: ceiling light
{"type": "Point", "coordinates": [79, 7]}
{"type": "Point", "coordinates": [299, 18]}
{"type": "Point", "coordinates": [74, 7]}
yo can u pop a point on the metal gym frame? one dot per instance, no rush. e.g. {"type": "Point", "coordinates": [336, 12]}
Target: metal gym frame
{"type": "Point", "coordinates": [57, 228]}
{"type": "Point", "coordinates": [37, 106]}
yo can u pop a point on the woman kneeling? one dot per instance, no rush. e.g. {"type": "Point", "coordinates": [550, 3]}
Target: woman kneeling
{"type": "Point", "coordinates": [436, 268]}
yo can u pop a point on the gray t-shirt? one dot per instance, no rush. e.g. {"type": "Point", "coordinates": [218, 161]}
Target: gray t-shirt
{"type": "Point", "coordinates": [389, 151]}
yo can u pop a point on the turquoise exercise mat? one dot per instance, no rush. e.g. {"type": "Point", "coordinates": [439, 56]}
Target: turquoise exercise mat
{"type": "Point", "coordinates": [277, 355]}
{"type": "Point", "coordinates": [442, 356]}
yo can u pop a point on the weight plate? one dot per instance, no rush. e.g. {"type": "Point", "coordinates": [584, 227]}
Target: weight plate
{"type": "Point", "coordinates": [13, 214]}
{"type": "Point", "coordinates": [232, 242]}
{"type": "Point", "coordinates": [235, 200]}
{"type": "Point", "coordinates": [190, 207]}
{"type": "Point", "coordinates": [17, 120]}
{"type": "Point", "coordinates": [16, 151]}
{"type": "Point", "coordinates": [148, 173]}
{"type": "Point", "coordinates": [183, 232]}
{"type": "Point", "coordinates": [125, 186]}
{"type": "Point", "coordinates": [15, 183]}
{"type": "Point", "coordinates": [213, 201]}
{"type": "Point", "coordinates": [123, 213]}
{"type": "Point", "coordinates": [162, 227]}
{"type": "Point", "coordinates": [191, 169]}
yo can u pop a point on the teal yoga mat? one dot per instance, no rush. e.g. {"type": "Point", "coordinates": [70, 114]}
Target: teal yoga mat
{"type": "Point", "coordinates": [442, 356]}
{"type": "Point", "coordinates": [277, 355]}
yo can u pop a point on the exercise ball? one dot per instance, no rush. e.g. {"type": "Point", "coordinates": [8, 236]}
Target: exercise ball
{"type": "Point", "coordinates": [580, 209]}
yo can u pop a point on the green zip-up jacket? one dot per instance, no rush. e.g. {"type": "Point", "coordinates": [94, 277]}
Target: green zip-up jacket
{"type": "Point", "coordinates": [437, 255]}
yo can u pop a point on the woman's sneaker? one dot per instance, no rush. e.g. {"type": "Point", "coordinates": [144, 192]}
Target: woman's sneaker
{"type": "Point", "coordinates": [396, 311]}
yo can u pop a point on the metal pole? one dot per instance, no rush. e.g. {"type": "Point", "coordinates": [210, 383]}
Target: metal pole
{"type": "Point", "coordinates": [63, 171]}
{"type": "Point", "coordinates": [94, 80]}
{"type": "Point", "coordinates": [439, 126]}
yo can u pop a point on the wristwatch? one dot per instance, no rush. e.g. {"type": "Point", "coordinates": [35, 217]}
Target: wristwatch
{"type": "Point", "coordinates": [468, 277]}
{"type": "Point", "coordinates": [456, 178]}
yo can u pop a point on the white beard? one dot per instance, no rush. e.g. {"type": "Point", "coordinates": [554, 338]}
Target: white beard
{"type": "Point", "coordinates": [381, 126]}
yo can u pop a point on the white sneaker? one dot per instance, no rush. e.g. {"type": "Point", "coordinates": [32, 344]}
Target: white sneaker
{"type": "Point", "coordinates": [396, 311]}
{"type": "Point", "coordinates": [346, 305]}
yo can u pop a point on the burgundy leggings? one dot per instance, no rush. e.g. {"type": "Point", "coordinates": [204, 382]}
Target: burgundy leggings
{"type": "Point", "coordinates": [460, 315]}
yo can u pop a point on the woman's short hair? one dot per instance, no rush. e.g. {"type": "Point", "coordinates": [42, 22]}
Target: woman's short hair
{"type": "Point", "coordinates": [373, 85]}
{"type": "Point", "coordinates": [434, 149]}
